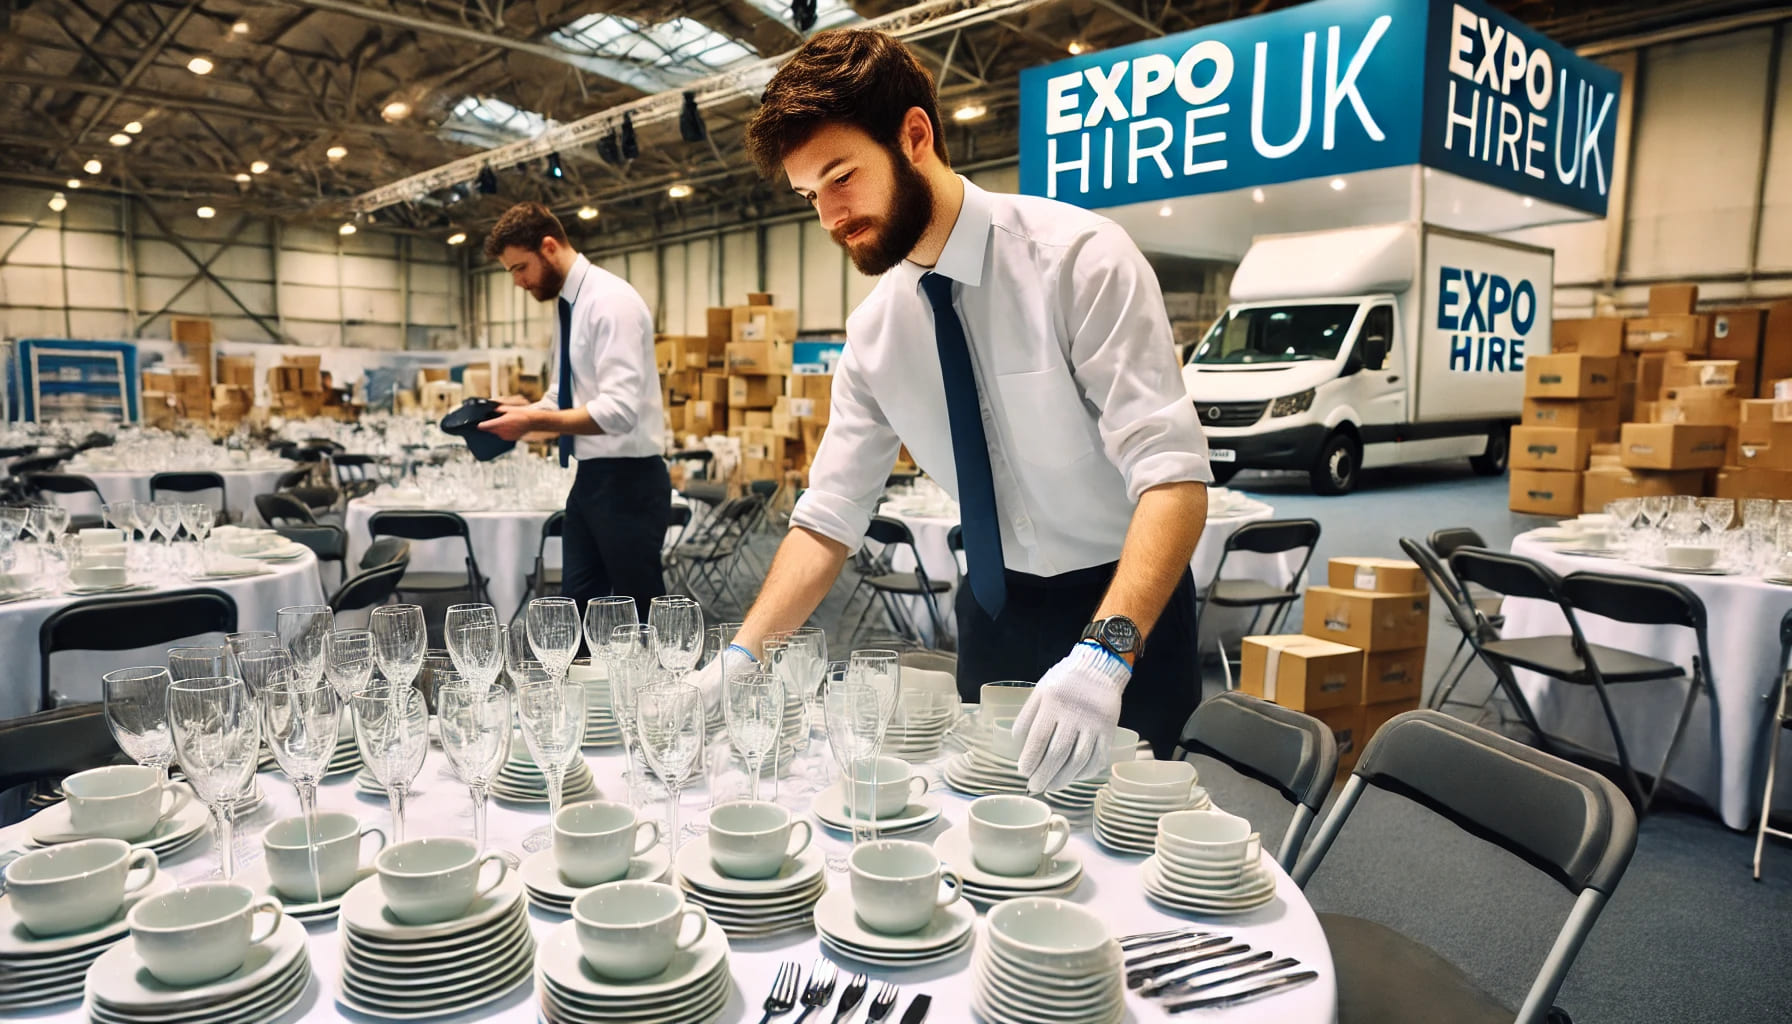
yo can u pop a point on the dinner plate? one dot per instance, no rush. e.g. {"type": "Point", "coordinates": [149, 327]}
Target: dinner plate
{"type": "Point", "coordinates": [666, 1005]}
{"type": "Point", "coordinates": [954, 847]}
{"type": "Point", "coordinates": [1086, 991]}
{"type": "Point", "coordinates": [1117, 845]}
{"type": "Point", "coordinates": [20, 948]}
{"type": "Point", "coordinates": [829, 807]}
{"type": "Point", "coordinates": [836, 919]}
{"type": "Point", "coordinates": [1689, 570]}
{"type": "Point", "coordinates": [1034, 1007]}
{"type": "Point", "coordinates": [1157, 889]}
{"type": "Point", "coordinates": [703, 1004]}
{"type": "Point", "coordinates": [1146, 807]}
{"type": "Point", "coordinates": [33, 996]}
{"type": "Point", "coordinates": [121, 981]}
{"type": "Point", "coordinates": [364, 910]}
{"type": "Point", "coordinates": [396, 980]}
{"type": "Point", "coordinates": [560, 960]}
{"type": "Point", "coordinates": [877, 959]}
{"type": "Point", "coordinates": [990, 897]}
{"type": "Point", "coordinates": [1244, 885]}
{"type": "Point", "coordinates": [541, 874]}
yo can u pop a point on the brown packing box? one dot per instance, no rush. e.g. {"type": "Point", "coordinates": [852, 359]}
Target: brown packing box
{"type": "Point", "coordinates": [1739, 482]}
{"type": "Point", "coordinates": [1776, 346]}
{"type": "Point", "coordinates": [1393, 675]}
{"type": "Point", "coordinates": [1550, 448]}
{"type": "Point", "coordinates": [476, 381]}
{"type": "Point", "coordinates": [1346, 725]}
{"type": "Point", "coordinates": [158, 380]}
{"type": "Point", "coordinates": [675, 419]}
{"type": "Point", "coordinates": [1369, 572]}
{"type": "Point", "coordinates": [1700, 373]}
{"type": "Point", "coordinates": [1689, 334]}
{"type": "Point", "coordinates": [757, 419]}
{"type": "Point", "coordinates": [157, 408]}
{"type": "Point", "coordinates": [1544, 492]}
{"type": "Point", "coordinates": [317, 362]}
{"type": "Point", "coordinates": [1593, 336]}
{"type": "Point", "coordinates": [760, 469]}
{"type": "Point", "coordinates": [1373, 622]}
{"type": "Point", "coordinates": [188, 330]}
{"type": "Point", "coordinates": [759, 298]}
{"type": "Point", "coordinates": [1601, 486]}
{"type": "Point", "coordinates": [1736, 334]}
{"type": "Point", "coordinates": [754, 392]}
{"type": "Point", "coordinates": [1377, 715]}
{"type": "Point", "coordinates": [1301, 672]}
{"type": "Point", "coordinates": [703, 418]}
{"type": "Point", "coordinates": [729, 324]}
{"type": "Point", "coordinates": [664, 355]}
{"type": "Point", "coordinates": [788, 415]}
{"type": "Point", "coordinates": [713, 387]}
{"type": "Point", "coordinates": [1673, 446]}
{"type": "Point", "coordinates": [1669, 299]}
{"type": "Point", "coordinates": [759, 357]}
{"type": "Point", "coordinates": [1599, 414]}
{"type": "Point", "coordinates": [1702, 406]}
{"type": "Point", "coordinates": [812, 433]}
{"type": "Point", "coordinates": [818, 388]}
{"type": "Point", "coordinates": [1651, 371]}
{"type": "Point", "coordinates": [237, 371]}
{"type": "Point", "coordinates": [760, 443]}
{"type": "Point", "coordinates": [1571, 376]}
{"type": "Point", "coordinates": [1754, 421]}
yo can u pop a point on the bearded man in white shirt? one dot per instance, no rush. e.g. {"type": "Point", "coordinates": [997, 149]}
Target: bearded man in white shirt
{"type": "Point", "coordinates": [1021, 350]}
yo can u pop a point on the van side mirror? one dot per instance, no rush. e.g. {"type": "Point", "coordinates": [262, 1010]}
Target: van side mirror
{"type": "Point", "coordinates": [1375, 351]}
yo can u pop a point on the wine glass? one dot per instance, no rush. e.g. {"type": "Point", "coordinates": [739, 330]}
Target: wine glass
{"type": "Point", "coordinates": [670, 718]}
{"type": "Point", "coordinates": [1717, 513]}
{"type": "Point", "coordinates": [632, 665]}
{"type": "Point", "coordinates": [678, 632]}
{"type": "Point", "coordinates": [853, 716]}
{"type": "Point", "coordinates": [516, 651]}
{"type": "Point", "coordinates": [197, 518]}
{"type": "Point", "coordinates": [168, 515]}
{"type": "Point", "coordinates": [299, 718]}
{"type": "Point", "coordinates": [392, 731]}
{"type": "Point", "coordinates": [303, 629]}
{"type": "Point", "coordinates": [136, 702]}
{"type": "Point", "coordinates": [553, 628]}
{"type": "Point", "coordinates": [471, 631]}
{"type": "Point", "coordinates": [199, 662]}
{"type": "Point", "coordinates": [217, 739]}
{"type": "Point", "coordinates": [553, 717]}
{"type": "Point", "coordinates": [37, 525]}
{"type": "Point", "coordinates": [602, 616]}
{"type": "Point", "coordinates": [348, 660]}
{"type": "Point", "coordinates": [475, 718]}
{"type": "Point", "coordinates": [249, 641]}
{"type": "Point", "coordinates": [800, 657]}
{"type": "Point", "coordinates": [399, 642]}
{"type": "Point", "coordinates": [754, 704]}
{"type": "Point", "coordinates": [259, 667]}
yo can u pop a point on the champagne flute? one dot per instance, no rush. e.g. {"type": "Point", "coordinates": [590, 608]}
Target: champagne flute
{"type": "Point", "coordinates": [882, 671]}
{"type": "Point", "coordinates": [136, 701]}
{"type": "Point", "coordinates": [678, 638]}
{"type": "Point", "coordinates": [471, 631]}
{"type": "Point", "coordinates": [199, 662]}
{"type": "Point", "coordinates": [671, 721]}
{"type": "Point", "coordinates": [631, 649]}
{"type": "Point", "coordinates": [198, 519]}
{"type": "Point", "coordinates": [475, 718]}
{"type": "Point", "coordinates": [299, 718]}
{"type": "Point", "coordinates": [303, 629]}
{"type": "Point", "coordinates": [392, 731]}
{"type": "Point", "coordinates": [553, 716]}
{"type": "Point", "coordinates": [399, 642]}
{"type": "Point", "coordinates": [754, 704]}
{"type": "Point", "coordinates": [217, 739]}
{"type": "Point", "coordinates": [552, 624]}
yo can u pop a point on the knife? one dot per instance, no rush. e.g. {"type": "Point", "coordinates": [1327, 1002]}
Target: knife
{"type": "Point", "coordinates": [1176, 978]}
{"type": "Point", "coordinates": [1279, 984]}
{"type": "Point", "coordinates": [1157, 955]}
{"type": "Point", "coordinates": [1160, 975]}
{"type": "Point", "coordinates": [1167, 935]}
{"type": "Point", "coordinates": [917, 1009]}
{"type": "Point", "coordinates": [1184, 988]}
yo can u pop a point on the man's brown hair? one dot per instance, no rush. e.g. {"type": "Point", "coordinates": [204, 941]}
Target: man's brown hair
{"type": "Point", "coordinates": [523, 225]}
{"type": "Point", "coordinates": [851, 76]}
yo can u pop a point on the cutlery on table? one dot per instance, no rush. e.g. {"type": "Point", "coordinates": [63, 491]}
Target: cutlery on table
{"type": "Point", "coordinates": [882, 1001]}
{"type": "Point", "coordinates": [1213, 1002]}
{"type": "Point", "coordinates": [1185, 988]}
{"type": "Point", "coordinates": [1163, 975]}
{"type": "Point", "coordinates": [820, 989]}
{"type": "Point", "coordinates": [850, 996]}
{"type": "Point", "coordinates": [917, 1009]}
{"type": "Point", "coordinates": [1130, 942]}
{"type": "Point", "coordinates": [1158, 954]}
{"type": "Point", "coordinates": [783, 995]}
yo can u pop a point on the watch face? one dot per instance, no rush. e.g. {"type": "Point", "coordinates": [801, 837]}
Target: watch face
{"type": "Point", "coordinates": [1120, 634]}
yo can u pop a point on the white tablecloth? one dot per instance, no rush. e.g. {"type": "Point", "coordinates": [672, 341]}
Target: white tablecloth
{"type": "Point", "coordinates": [1718, 764]}
{"type": "Point", "coordinates": [77, 674]}
{"type": "Point", "coordinates": [438, 806]}
{"type": "Point", "coordinates": [241, 485]}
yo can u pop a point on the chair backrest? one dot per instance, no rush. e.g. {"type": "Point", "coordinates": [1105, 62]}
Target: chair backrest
{"type": "Point", "coordinates": [327, 541]}
{"type": "Point", "coordinates": [885, 530]}
{"type": "Point", "coordinates": [314, 495]}
{"type": "Point", "coordinates": [62, 483]}
{"type": "Point", "coordinates": [385, 551]}
{"type": "Point", "coordinates": [42, 463]}
{"type": "Point", "coordinates": [418, 525]}
{"type": "Point", "coordinates": [680, 516]}
{"type": "Point", "coordinates": [1508, 574]}
{"type": "Point", "coordinates": [1445, 542]}
{"type": "Point", "coordinates": [1461, 609]}
{"type": "Point", "coordinates": [555, 526]}
{"type": "Point", "coordinates": [186, 482]}
{"type": "Point", "coordinates": [127, 623]}
{"type": "Point", "coordinates": [763, 488]}
{"type": "Point", "coordinates": [51, 745]}
{"type": "Point", "coordinates": [955, 539]}
{"type": "Point", "coordinates": [1274, 536]}
{"type": "Point", "coordinates": [277, 508]}
{"type": "Point", "coordinates": [366, 589]}
{"type": "Point", "coordinates": [1294, 753]}
{"type": "Point", "coordinates": [1635, 600]}
{"type": "Point", "coordinates": [293, 478]}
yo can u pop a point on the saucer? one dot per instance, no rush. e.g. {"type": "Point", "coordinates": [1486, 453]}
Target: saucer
{"type": "Point", "coordinates": [444, 953]}
{"type": "Point", "coordinates": [541, 875]}
{"type": "Point", "coordinates": [798, 873]}
{"type": "Point", "coordinates": [954, 847]}
{"type": "Point", "coordinates": [1689, 570]}
{"type": "Point", "coordinates": [835, 919]}
{"type": "Point", "coordinates": [20, 948]}
{"type": "Point", "coordinates": [256, 877]}
{"type": "Point", "coordinates": [829, 807]}
{"type": "Point", "coordinates": [120, 980]}
{"type": "Point", "coordinates": [52, 827]}
{"type": "Point", "coordinates": [561, 961]}
{"type": "Point", "coordinates": [364, 910]}
{"type": "Point", "coordinates": [515, 971]}
{"type": "Point", "coordinates": [273, 999]}
{"type": "Point", "coordinates": [1169, 893]}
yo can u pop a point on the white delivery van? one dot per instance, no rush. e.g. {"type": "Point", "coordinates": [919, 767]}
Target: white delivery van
{"type": "Point", "coordinates": [1372, 346]}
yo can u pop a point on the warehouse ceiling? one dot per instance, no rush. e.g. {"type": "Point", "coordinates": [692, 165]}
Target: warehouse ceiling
{"type": "Point", "coordinates": [291, 108]}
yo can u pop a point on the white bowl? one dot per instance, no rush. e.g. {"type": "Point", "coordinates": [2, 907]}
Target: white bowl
{"type": "Point", "coordinates": [1051, 933]}
{"type": "Point", "coordinates": [1692, 556]}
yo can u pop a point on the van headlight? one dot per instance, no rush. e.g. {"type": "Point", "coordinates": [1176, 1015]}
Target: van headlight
{"type": "Point", "coordinates": [1290, 405]}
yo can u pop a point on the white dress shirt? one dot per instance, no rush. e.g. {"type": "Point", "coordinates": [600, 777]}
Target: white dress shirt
{"type": "Point", "coordinates": [613, 374]}
{"type": "Point", "coordinates": [1082, 400]}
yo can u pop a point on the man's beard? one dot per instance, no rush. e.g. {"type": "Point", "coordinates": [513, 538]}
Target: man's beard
{"type": "Point", "coordinates": [552, 280]}
{"type": "Point", "coordinates": [892, 236]}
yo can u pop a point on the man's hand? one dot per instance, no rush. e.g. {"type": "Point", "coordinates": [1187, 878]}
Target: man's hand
{"type": "Point", "coordinates": [514, 400]}
{"type": "Point", "coordinates": [513, 423]}
{"type": "Point", "coordinates": [1068, 723]}
{"type": "Point", "coordinates": [732, 663]}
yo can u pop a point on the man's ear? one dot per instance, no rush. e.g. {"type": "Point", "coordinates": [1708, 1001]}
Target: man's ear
{"type": "Point", "coordinates": [549, 247]}
{"type": "Point", "coordinates": [917, 134]}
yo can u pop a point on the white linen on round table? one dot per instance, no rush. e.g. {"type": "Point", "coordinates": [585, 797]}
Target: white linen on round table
{"type": "Point", "coordinates": [76, 674]}
{"type": "Point", "coordinates": [1743, 615]}
{"type": "Point", "coordinates": [241, 486]}
{"type": "Point", "coordinates": [438, 805]}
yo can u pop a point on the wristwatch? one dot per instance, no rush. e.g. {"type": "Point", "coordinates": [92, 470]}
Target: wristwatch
{"type": "Point", "coordinates": [1117, 633]}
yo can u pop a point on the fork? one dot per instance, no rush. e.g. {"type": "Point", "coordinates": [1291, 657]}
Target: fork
{"type": "Point", "coordinates": [783, 996]}
{"type": "Point", "coordinates": [882, 1002]}
{"type": "Point", "coordinates": [820, 989]}
{"type": "Point", "coordinates": [850, 997]}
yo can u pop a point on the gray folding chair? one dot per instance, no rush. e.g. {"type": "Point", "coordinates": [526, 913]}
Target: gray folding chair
{"type": "Point", "coordinates": [1443, 544]}
{"type": "Point", "coordinates": [1270, 537]}
{"type": "Point", "coordinates": [1569, 822]}
{"type": "Point", "coordinates": [1293, 753]}
{"type": "Point", "coordinates": [1780, 722]}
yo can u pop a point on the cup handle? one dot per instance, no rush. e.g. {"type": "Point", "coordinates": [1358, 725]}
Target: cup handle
{"type": "Point", "coordinates": [808, 837]}
{"type": "Point", "coordinates": [653, 828]}
{"type": "Point", "coordinates": [1057, 826]}
{"type": "Point", "coordinates": [497, 858]}
{"type": "Point", "coordinates": [145, 859]}
{"type": "Point", "coordinates": [922, 779]}
{"type": "Point", "coordinates": [374, 830]}
{"type": "Point", "coordinates": [702, 926]}
{"type": "Point", "coordinates": [179, 793]}
{"type": "Point", "coordinates": [272, 907]}
{"type": "Point", "coordinates": [955, 886]}
{"type": "Point", "coordinates": [1253, 850]}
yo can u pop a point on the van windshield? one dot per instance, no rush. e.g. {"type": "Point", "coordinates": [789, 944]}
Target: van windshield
{"type": "Point", "coordinates": [1275, 334]}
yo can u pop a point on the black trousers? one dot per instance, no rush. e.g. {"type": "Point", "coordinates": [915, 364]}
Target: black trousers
{"type": "Point", "coordinates": [616, 519]}
{"type": "Point", "coordinates": [1044, 618]}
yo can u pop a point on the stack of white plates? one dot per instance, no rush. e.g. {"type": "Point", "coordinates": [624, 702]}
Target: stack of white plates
{"type": "Point", "coordinates": [753, 907]}
{"type": "Point", "coordinates": [1043, 961]}
{"type": "Point", "coordinates": [39, 971]}
{"type": "Point", "coordinates": [829, 808]}
{"type": "Point", "coordinates": [601, 727]}
{"type": "Point", "coordinates": [792, 735]}
{"type": "Point", "coordinates": [347, 757]}
{"type": "Point", "coordinates": [1186, 876]}
{"type": "Point", "coordinates": [843, 934]}
{"type": "Point", "coordinates": [392, 969]}
{"type": "Point", "coordinates": [274, 976]}
{"type": "Point", "coordinates": [552, 892]}
{"type": "Point", "coordinates": [51, 826]}
{"type": "Point", "coordinates": [1058, 875]}
{"type": "Point", "coordinates": [521, 780]}
{"type": "Point", "coordinates": [693, 989]}
{"type": "Point", "coordinates": [978, 772]}
{"type": "Point", "coordinates": [927, 709]}
{"type": "Point", "coordinates": [1126, 821]}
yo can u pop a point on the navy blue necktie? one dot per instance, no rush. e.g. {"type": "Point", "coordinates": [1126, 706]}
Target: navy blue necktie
{"type": "Point", "coordinates": [970, 451]}
{"type": "Point", "coordinates": [565, 375]}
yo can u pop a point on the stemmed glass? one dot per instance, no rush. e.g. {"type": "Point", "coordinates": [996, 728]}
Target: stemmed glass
{"type": "Point", "coordinates": [392, 731]}
{"type": "Point", "coordinates": [168, 514]}
{"type": "Point", "coordinates": [853, 722]}
{"type": "Point", "coordinates": [881, 671]}
{"type": "Point", "coordinates": [554, 632]}
{"type": "Point", "coordinates": [197, 518]}
{"type": "Point", "coordinates": [399, 642]}
{"type": "Point", "coordinates": [12, 522]}
{"type": "Point", "coordinates": [553, 716]}
{"type": "Point", "coordinates": [300, 720]}
{"type": "Point", "coordinates": [348, 661]}
{"type": "Point", "coordinates": [475, 719]}
{"type": "Point", "coordinates": [199, 662]}
{"type": "Point", "coordinates": [671, 720]}
{"type": "Point", "coordinates": [602, 616]}
{"type": "Point", "coordinates": [250, 642]}
{"type": "Point", "coordinates": [473, 644]}
{"type": "Point", "coordinates": [217, 739]}
{"type": "Point", "coordinates": [303, 630]}
{"type": "Point", "coordinates": [800, 658]}
{"type": "Point", "coordinates": [632, 666]}
{"type": "Point", "coordinates": [678, 633]}
{"type": "Point", "coordinates": [1717, 513]}
{"type": "Point", "coordinates": [137, 714]}
{"type": "Point", "coordinates": [37, 526]}
{"type": "Point", "coordinates": [516, 652]}
{"type": "Point", "coordinates": [755, 709]}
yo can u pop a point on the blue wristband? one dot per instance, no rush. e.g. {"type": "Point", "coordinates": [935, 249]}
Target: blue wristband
{"type": "Point", "coordinates": [1096, 645]}
{"type": "Point", "coordinates": [743, 650]}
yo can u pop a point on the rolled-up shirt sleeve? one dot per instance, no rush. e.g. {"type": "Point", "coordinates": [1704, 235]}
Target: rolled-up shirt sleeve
{"type": "Point", "coordinates": [622, 347]}
{"type": "Point", "coordinates": [1124, 359]}
{"type": "Point", "coordinates": [851, 465]}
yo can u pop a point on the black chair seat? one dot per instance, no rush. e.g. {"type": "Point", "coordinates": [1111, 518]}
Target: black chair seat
{"type": "Point", "coordinates": [432, 581]}
{"type": "Point", "coordinates": [905, 583]}
{"type": "Point", "coordinates": [1386, 978]}
{"type": "Point", "coordinates": [1248, 593]}
{"type": "Point", "coordinates": [1555, 656]}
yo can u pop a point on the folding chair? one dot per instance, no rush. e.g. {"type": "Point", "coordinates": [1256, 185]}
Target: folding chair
{"type": "Point", "coordinates": [190, 483]}
{"type": "Point", "coordinates": [327, 541]}
{"type": "Point", "coordinates": [371, 587]}
{"type": "Point", "coordinates": [1444, 543]}
{"type": "Point", "coordinates": [679, 520]}
{"type": "Point", "coordinates": [887, 585]}
{"type": "Point", "coordinates": [127, 623]}
{"type": "Point", "coordinates": [1270, 537]}
{"type": "Point", "coordinates": [71, 484]}
{"type": "Point", "coordinates": [1467, 616]}
{"type": "Point", "coordinates": [417, 525]}
{"type": "Point", "coordinates": [536, 583]}
{"type": "Point", "coordinates": [1293, 753]}
{"type": "Point", "coordinates": [384, 551]}
{"type": "Point", "coordinates": [1567, 821]}
{"type": "Point", "coordinates": [1780, 722]}
{"type": "Point", "coordinates": [283, 510]}
{"type": "Point", "coordinates": [710, 556]}
{"type": "Point", "coordinates": [351, 467]}
{"type": "Point", "coordinates": [45, 462]}
{"type": "Point", "coordinates": [42, 749]}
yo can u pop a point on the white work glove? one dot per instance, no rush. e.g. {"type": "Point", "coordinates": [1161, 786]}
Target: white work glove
{"type": "Point", "coordinates": [1068, 723]}
{"type": "Point", "coordinates": [738, 661]}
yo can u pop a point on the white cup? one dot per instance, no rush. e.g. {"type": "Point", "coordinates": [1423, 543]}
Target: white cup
{"type": "Point", "coordinates": [75, 886]}
{"type": "Point", "coordinates": [199, 933]}
{"type": "Point", "coordinates": [435, 879]}
{"type": "Point", "coordinates": [121, 801]}
{"type": "Point", "coordinates": [1208, 841]}
{"type": "Point", "coordinates": [1156, 781]}
{"type": "Point", "coordinates": [884, 787]}
{"type": "Point", "coordinates": [595, 840]}
{"type": "Point", "coordinates": [337, 839]}
{"type": "Point", "coordinates": [91, 575]}
{"type": "Point", "coordinates": [896, 885]}
{"type": "Point", "coordinates": [631, 930]}
{"type": "Point", "coordinates": [1013, 835]}
{"type": "Point", "coordinates": [752, 838]}
{"type": "Point", "coordinates": [1692, 556]}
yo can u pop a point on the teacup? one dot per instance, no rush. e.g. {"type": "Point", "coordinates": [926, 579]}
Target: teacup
{"type": "Point", "coordinates": [752, 838]}
{"type": "Point", "coordinates": [896, 885]}
{"type": "Point", "coordinates": [336, 837]}
{"type": "Point", "coordinates": [594, 841]}
{"type": "Point", "coordinates": [435, 879]}
{"type": "Point", "coordinates": [121, 801]}
{"type": "Point", "coordinates": [884, 787]}
{"type": "Point", "coordinates": [1124, 745]}
{"type": "Point", "coordinates": [199, 933]}
{"type": "Point", "coordinates": [1691, 556]}
{"type": "Point", "coordinates": [1211, 841]}
{"type": "Point", "coordinates": [75, 886]}
{"type": "Point", "coordinates": [1013, 835]}
{"type": "Point", "coordinates": [1154, 780]}
{"type": "Point", "coordinates": [632, 930]}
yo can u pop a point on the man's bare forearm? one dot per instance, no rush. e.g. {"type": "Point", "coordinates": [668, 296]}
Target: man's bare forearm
{"type": "Point", "coordinates": [804, 569]}
{"type": "Point", "coordinates": [1165, 528]}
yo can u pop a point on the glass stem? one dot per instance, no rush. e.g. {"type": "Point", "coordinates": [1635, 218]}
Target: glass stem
{"type": "Point", "coordinates": [478, 816]}
{"type": "Point", "coordinates": [308, 810]}
{"type": "Point", "coordinates": [556, 790]}
{"type": "Point", "coordinates": [672, 814]}
{"type": "Point", "coordinates": [395, 797]}
{"type": "Point", "coordinates": [226, 840]}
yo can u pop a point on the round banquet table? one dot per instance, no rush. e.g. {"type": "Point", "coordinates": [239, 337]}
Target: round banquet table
{"type": "Point", "coordinates": [240, 485]}
{"type": "Point", "coordinates": [76, 674]}
{"type": "Point", "coordinates": [438, 805]}
{"type": "Point", "coordinates": [1718, 754]}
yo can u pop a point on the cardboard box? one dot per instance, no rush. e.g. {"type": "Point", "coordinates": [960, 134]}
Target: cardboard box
{"type": "Point", "coordinates": [1651, 371]}
{"type": "Point", "coordinates": [189, 330]}
{"type": "Point", "coordinates": [728, 324]}
{"type": "Point", "coordinates": [237, 371]}
{"type": "Point", "coordinates": [703, 418]}
{"type": "Point", "coordinates": [1571, 376]}
{"type": "Point", "coordinates": [1380, 575]}
{"type": "Point", "coordinates": [713, 387]}
{"type": "Point", "coordinates": [1593, 336]}
{"type": "Point", "coordinates": [1393, 675]}
{"type": "Point", "coordinates": [812, 435]}
{"type": "Point", "coordinates": [1377, 715]}
{"type": "Point", "coordinates": [1673, 446]}
{"type": "Point", "coordinates": [754, 392]}
{"type": "Point", "coordinates": [1559, 448]}
{"type": "Point", "coordinates": [1754, 421]}
{"type": "Point", "coordinates": [1601, 486]}
{"type": "Point", "coordinates": [757, 419]}
{"type": "Point", "coordinates": [1749, 482]}
{"type": "Point", "coordinates": [1346, 725]}
{"type": "Point", "coordinates": [1736, 333]}
{"type": "Point", "coordinates": [1360, 618]}
{"type": "Point", "coordinates": [789, 413]}
{"type": "Point", "coordinates": [1544, 492]}
{"type": "Point", "coordinates": [759, 357]}
{"type": "Point", "coordinates": [760, 469]}
{"type": "Point", "coordinates": [1701, 406]}
{"type": "Point", "coordinates": [1689, 334]}
{"type": "Point", "coordinates": [817, 388]}
{"type": "Point", "coordinates": [664, 354]}
{"type": "Point", "coordinates": [1599, 415]}
{"type": "Point", "coordinates": [759, 299]}
{"type": "Point", "coordinates": [1776, 346]}
{"type": "Point", "coordinates": [1700, 373]}
{"type": "Point", "coordinates": [1672, 299]}
{"type": "Point", "coordinates": [1300, 672]}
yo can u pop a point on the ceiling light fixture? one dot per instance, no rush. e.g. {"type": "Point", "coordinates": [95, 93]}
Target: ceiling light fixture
{"type": "Point", "coordinates": [1529, 202]}
{"type": "Point", "coordinates": [119, 139]}
{"type": "Point", "coordinates": [630, 148]}
{"type": "Point", "coordinates": [133, 128]}
{"type": "Point", "coordinates": [587, 213]}
{"type": "Point", "coordinates": [457, 238]}
{"type": "Point", "coordinates": [74, 183]}
{"type": "Point", "coordinates": [241, 28]}
{"type": "Point", "coordinates": [200, 66]}
{"type": "Point", "coordinates": [1077, 46]}
{"type": "Point", "coordinates": [92, 167]}
{"type": "Point", "coordinates": [1256, 195]}
{"type": "Point", "coordinates": [969, 112]}
{"type": "Point", "coordinates": [679, 191]}
{"type": "Point", "coordinates": [258, 167]}
{"type": "Point", "coordinates": [348, 228]}
{"type": "Point", "coordinates": [58, 202]}
{"type": "Point", "coordinates": [1337, 184]}
{"type": "Point", "coordinates": [554, 170]}
{"type": "Point", "coordinates": [488, 180]}
{"type": "Point", "coordinates": [336, 152]}
{"type": "Point", "coordinates": [690, 120]}
{"type": "Point", "coordinates": [205, 213]}
{"type": "Point", "coordinates": [242, 178]}
{"type": "Point", "coordinates": [1164, 210]}
{"type": "Point", "coordinates": [609, 148]}
{"type": "Point", "coordinates": [397, 110]}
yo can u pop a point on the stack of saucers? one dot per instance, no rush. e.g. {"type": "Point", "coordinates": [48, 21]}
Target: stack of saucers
{"type": "Point", "coordinates": [892, 800]}
{"type": "Point", "coordinates": [750, 908]}
{"type": "Point", "coordinates": [521, 779]}
{"type": "Point", "coordinates": [550, 890]}
{"type": "Point", "coordinates": [1045, 960]}
{"type": "Point", "coordinates": [991, 766]}
{"type": "Point", "coordinates": [1138, 793]}
{"type": "Point", "coordinates": [177, 830]}
{"type": "Point", "coordinates": [43, 970]}
{"type": "Point", "coordinates": [392, 969]}
{"type": "Point", "coordinates": [693, 989]}
{"type": "Point", "coordinates": [601, 728]}
{"type": "Point", "coordinates": [793, 735]}
{"type": "Point", "coordinates": [347, 756]}
{"type": "Point", "coordinates": [1209, 863]}
{"type": "Point", "coordinates": [273, 977]}
{"type": "Point", "coordinates": [928, 709]}
{"type": "Point", "coordinates": [1057, 875]}
{"type": "Point", "coordinates": [844, 934]}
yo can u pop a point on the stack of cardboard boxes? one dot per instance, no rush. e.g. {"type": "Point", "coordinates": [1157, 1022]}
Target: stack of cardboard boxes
{"type": "Point", "coordinates": [296, 386]}
{"type": "Point", "coordinates": [1574, 398]}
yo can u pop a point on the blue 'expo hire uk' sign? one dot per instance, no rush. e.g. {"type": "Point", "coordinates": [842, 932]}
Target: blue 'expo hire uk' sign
{"type": "Point", "coordinates": [1330, 87]}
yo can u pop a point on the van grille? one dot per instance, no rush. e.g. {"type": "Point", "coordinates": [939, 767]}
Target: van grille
{"type": "Point", "coordinates": [1230, 414]}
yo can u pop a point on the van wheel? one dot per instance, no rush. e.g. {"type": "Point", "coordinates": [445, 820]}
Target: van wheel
{"type": "Point", "coordinates": [1223, 473]}
{"type": "Point", "coordinates": [1492, 462]}
{"type": "Point", "coordinates": [1340, 463]}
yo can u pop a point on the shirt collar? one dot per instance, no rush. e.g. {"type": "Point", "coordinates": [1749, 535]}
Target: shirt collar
{"type": "Point", "coordinates": [575, 279]}
{"type": "Point", "coordinates": [962, 258]}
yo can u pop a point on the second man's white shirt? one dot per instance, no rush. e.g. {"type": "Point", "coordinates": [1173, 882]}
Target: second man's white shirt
{"type": "Point", "coordinates": [1082, 401]}
{"type": "Point", "coordinates": [613, 374]}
